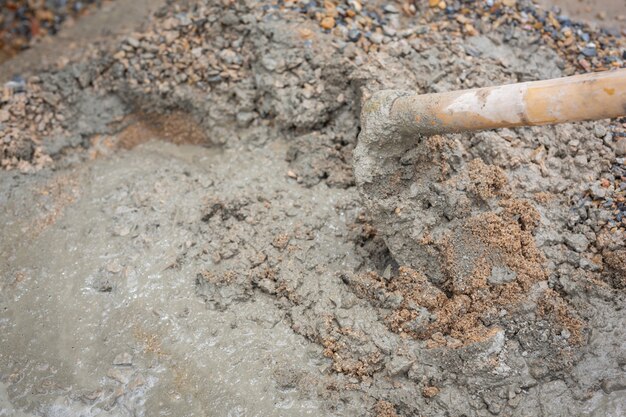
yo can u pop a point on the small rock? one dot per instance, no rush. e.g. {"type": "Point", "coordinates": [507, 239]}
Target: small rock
{"type": "Point", "coordinates": [389, 31]}
{"type": "Point", "coordinates": [121, 231]}
{"type": "Point", "coordinates": [620, 147]}
{"type": "Point", "coordinates": [585, 64]}
{"type": "Point", "coordinates": [501, 275]}
{"type": "Point", "coordinates": [599, 131]}
{"type": "Point", "coordinates": [120, 375]}
{"type": "Point", "coordinates": [589, 51]}
{"type": "Point", "coordinates": [123, 359]}
{"type": "Point", "coordinates": [170, 35]}
{"type": "Point", "coordinates": [269, 63]}
{"type": "Point", "coordinates": [50, 98]}
{"type": "Point", "coordinates": [102, 284]}
{"type": "Point", "coordinates": [21, 149]}
{"type": "Point", "coordinates": [377, 38]}
{"type": "Point", "coordinates": [580, 160]}
{"type": "Point", "coordinates": [15, 86]}
{"type": "Point", "coordinates": [614, 384]}
{"type": "Point", "coordinates": [578, 242]}
{"type": "Point", "coordinates": [430, 392]}
{"type": "Point", "coordinates": [281, 241]}
{"type": "Point", "coordinates": [133, 42]}
{"type": "Point", "coordinates": [399, 366]}
{"type": "Point", "coordinates": [137, 382]}
{"type": "Point", "coordinates": [4, 116]}
{"type": "Point", "coordinates": [114, 267]}
{"type": "Point", "coordinates": [230, 57]}
{"type": "Point", "coordinates": [244, 118]}
{"type": "Point", "coordinates": [598, 191]}
{"type": "Point", "coordinates": [354, 35]}
{"type": "Point", "coordinates": [328, 23]}
{"type": "Point", "coordinates": [92, 395]}
{"type": "Point", "coordinates": [391, 9]}
{"type": "Point", "coordinates": [494, 408]}
{"type": "Point", "coordinates": [230, 19]}
{"type": "Point", "coordinates": [588, 265]}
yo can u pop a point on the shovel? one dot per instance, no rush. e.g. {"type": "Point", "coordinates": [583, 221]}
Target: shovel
{"type": "Point", "coordinates": [407, 200]}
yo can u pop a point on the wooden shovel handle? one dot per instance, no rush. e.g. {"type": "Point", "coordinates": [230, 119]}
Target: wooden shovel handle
{"type": "Point", "coordinates": [581, 97]}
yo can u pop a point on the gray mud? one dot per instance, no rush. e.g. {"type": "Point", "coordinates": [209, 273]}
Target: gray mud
{"type": "Point", "coordinates": [123, 321]}
{"type": "Point", "coordinates": [186, 237]}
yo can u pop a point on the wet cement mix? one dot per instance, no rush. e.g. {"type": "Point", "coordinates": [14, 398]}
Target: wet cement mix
{"type": "Point", "coordinates": [182, 234]}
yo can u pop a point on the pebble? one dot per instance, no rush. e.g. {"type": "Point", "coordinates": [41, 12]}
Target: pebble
{"type": "Point", "coordinates": [15, 86]}
{"type": "Point", "coordinates": [588, 265]}
{"type": "Point", "coordinates": [389, 31]}
{"type": "Point", "coordinates": [580, 160]}
{"type": "Point", "coordinates": [598, 191]}
{"type": "Point", "coordinates": [376, 38]}
{"type": "Point", "coordinates": [354, 35]}
{"type": "Point", "coordinates": [244, 119]}
{"type": "Point", "coordinates": [391, 9]}
{"type": "Point", "coordinates": [599, 131]}
{"type": "Point", "coordinates": [120, 375]}
{"type": "Point", "coordinates": [230, 19]}
{"type": "Point", "coordinates": [123, 359]}
{"type": "Point", "coordinates": [500, 275]}
{"type": "Point", "coordinates": [137, 382]}
{"type": "Point", "coordinates": [578, 242]}
{"type": "Point", "coordinates": [114, 267]}
{"type": "Point", "coordinates": [589, 51]}
{"type": "Point", "coordinates": [133, 42]}
{"type": "Point", "coordinates": [620, 147]}
{"type": "Point", "coordinates": [327, 23]}
{"type": "Point", "coordinates": [121, 231]}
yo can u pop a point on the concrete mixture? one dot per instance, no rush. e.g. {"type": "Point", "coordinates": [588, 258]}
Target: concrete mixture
{"type": "Point", "coordinates": [182, 234]}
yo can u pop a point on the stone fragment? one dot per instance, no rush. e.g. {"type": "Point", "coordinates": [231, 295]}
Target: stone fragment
{"type": "Point", "coordinates": [354, 35]}
{"type": "Point", "coordinates": [577, 242]}
{"type": "Point", "coordinates": [120, 375]}
{"type": "Point", "coordinates": [501, 275]}
{"type": "Point", "coordinates": [599, 131]}
{"type": "Point", "coordinates": [123, 359]}
{"type": "Point", "coordinates": [430, 392]}
{"type": "Point", "coordinates": [376, 38]}
{"type": "Point", "coordinates": [328, 23]}
{"type": "Point", "coordinates": [620, 147]}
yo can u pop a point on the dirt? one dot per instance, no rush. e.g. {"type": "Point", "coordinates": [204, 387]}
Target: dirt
{"type": "Point", "coordinates": [203, 226]}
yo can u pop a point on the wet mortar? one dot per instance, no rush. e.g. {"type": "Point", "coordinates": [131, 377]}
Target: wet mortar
{"type": "Point", "coordinates": [197, 246]}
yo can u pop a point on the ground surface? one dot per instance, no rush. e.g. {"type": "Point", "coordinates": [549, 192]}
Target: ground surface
{"type": "Point", "coordinates": [182, 234]}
